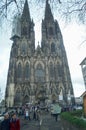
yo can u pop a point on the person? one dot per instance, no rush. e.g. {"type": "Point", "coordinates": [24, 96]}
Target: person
{"type": "Point", "coordinates": [5, 124]}
{"type": "Point", "coordinates": [27, 114]}
{"type": "Point", "coordinates": [14, 122]}
{"type": "Point", "coordinates": [56, 110]}
{"type": "Point", "coordinates": [38, 114]}
{"type": "Point", "coordinates": [34, 113]}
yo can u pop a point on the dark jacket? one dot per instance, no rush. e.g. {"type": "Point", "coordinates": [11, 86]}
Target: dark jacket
{"type": "Point", "coordinates": [5, 124]}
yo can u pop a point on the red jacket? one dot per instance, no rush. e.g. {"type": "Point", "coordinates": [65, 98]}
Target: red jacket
{"type": "Point", "coordinates": [15, 125]}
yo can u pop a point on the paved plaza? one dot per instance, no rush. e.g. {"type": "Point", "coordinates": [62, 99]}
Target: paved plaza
{"type": "Point", "coordinates": [47, 122]}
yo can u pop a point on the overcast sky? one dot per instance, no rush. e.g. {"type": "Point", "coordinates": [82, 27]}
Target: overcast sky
{"type": "Point", "coordinates": [73, 37]}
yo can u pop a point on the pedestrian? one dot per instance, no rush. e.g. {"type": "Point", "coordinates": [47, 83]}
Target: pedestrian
{"type": "Point", "coordinates": [27, 114]}
{"type": "Point", "coordinates": [38, 114]}
{"type": "Point", "coordinates": [14, 122]}
{"type": "Point", "coordinates": [5, 124]}
{"type": "Point", "coordinates": [56, 110]}
{"type": "Point", "coordinates": [34, 113]}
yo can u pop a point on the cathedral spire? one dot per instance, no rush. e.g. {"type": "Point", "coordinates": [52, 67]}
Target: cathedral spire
{"type": "Point", "coordinates": [48, 13]}
{"type": "Point", "coordinates": [26, 13]}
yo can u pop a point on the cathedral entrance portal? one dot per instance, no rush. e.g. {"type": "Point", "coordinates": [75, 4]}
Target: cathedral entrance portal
{"type": "Point", "coordinates": [41, 95]}
{"type": "Point", "coordinates": [25, 99]}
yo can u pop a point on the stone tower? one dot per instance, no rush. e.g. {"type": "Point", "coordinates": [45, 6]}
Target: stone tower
{"type": "Point", "coordinates": [41, 74]}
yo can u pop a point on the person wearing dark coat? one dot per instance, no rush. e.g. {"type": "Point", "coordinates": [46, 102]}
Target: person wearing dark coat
{"type": "Point", "coordinates": [5, 124]}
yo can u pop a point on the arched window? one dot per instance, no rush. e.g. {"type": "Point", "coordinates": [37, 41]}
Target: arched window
{"type": "Point", "coordinates": [39, 74]}
{"type": "Point", "coordinates": [59, 68]}
{"type": "Point", "coordinates": [23, 48]}
{"type": "Point", "coordinates": [19, 71]}
{"type": "Point", "coordinates": [14, 51]}
{"type": "Point", "coordinates": [26, 99]}
{"type": "Point", "coordinates": [51, 70]}
{"type": "Point", "coordinates": [50, 31]}
{"type": "Point", "coordinates": [27, 71]}
{"type": "Point", "coordinates": [18, 98]}
{"type": "Point", "coordinates": [52, 47]}
{"type": "Point", "coordinates": [24, 30]}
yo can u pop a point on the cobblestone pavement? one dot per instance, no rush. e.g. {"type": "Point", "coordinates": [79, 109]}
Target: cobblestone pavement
{"type": "Point", "coordinates": [47, 122]}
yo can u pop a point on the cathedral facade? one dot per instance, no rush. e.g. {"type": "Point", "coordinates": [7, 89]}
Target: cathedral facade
{"type": "Point", "coordinates": [37, 74]}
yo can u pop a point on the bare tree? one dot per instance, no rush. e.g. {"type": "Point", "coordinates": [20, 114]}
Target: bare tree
{"type": "Point", "coordinates": [68, 8]}
{"type": "Point", "coordinates": [75, 9]}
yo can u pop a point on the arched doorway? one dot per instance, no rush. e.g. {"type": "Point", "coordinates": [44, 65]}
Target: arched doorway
{"type": "Point", "coordinates": [26, 99]}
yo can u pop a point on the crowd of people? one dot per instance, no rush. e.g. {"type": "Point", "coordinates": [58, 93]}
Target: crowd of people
{"type": "Point", "coordinates": [11, 118]}
{"type": "Point", "coordinates": [12, 122]}
{"type": "Point", "coordinates": [32, 113]}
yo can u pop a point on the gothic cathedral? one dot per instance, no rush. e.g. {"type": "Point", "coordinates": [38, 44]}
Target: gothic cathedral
{"type": "Point", "coordinates": [41, 74]}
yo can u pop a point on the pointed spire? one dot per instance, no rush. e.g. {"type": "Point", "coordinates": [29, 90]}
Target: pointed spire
{"type": "Point", "coordinates": [48, 13]}
{"type": "Point", "coordinates": [26, 13]}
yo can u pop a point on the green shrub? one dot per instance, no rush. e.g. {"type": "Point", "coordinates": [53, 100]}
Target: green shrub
{"type": "Point", "coordinates": [74, 119]}
{"type": "Point", "coordinates": [78, 113]}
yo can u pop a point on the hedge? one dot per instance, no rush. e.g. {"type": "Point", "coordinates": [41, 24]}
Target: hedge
{"type": "Point", "coordinates": [74, 119]}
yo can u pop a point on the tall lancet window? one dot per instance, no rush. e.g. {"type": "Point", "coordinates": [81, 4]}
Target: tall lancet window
{"type": "Point", "coordinates": [53, 47]}
{"type": "Point", "coordinates": [14, 51]}
{"type": "Point", "coordinates": [19, 71]}
{"type": "Point", "coordinates": [27, 71]}
{"type": "Point", "coordinates": [39, 74]}
{"type": "Point", "coordinates": [23, 48]}
{"type": "Point", "coordinates": [24, 28]}
{"type": "Point", "coordinates": [51, 31]}
{"type": "Point", "coordinates": [18, 97]}
{"type": "Point", "coordinates": [51, 70]}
